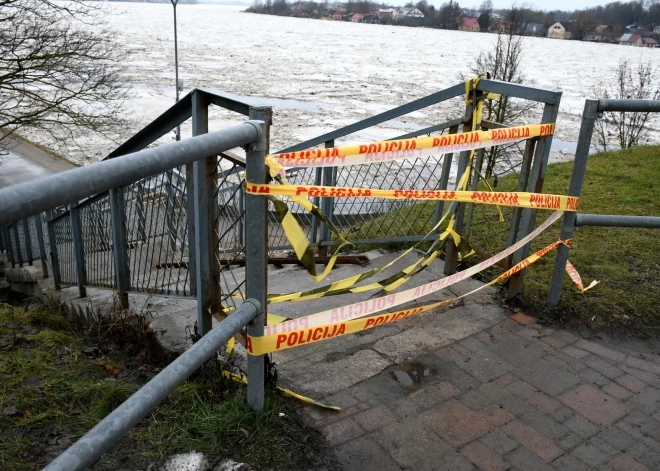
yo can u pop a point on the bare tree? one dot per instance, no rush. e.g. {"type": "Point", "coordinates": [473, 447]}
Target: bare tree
{"type": "Point", "coordinates": [58, 69]}
{"type": "Point", "coordinates": [584, 23]}
{"type": "Point", "coordinates": [630, 82]}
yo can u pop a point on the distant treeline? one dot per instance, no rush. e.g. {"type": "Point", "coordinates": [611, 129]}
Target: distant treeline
{"type": "Point", "coordinates": [179, 2]}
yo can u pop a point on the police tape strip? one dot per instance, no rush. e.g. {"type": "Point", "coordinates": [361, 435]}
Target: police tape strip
{"type": "Point", "coordinates": [410, 148]}
{"type": "Point", "coordinates": [297, 337]}
{"type": "Point", "coordinates": [371, 306]}
{"type": "Point", "coordinates": [240, 378]}
{"type": "Point", "coordinates": [575, 276]}
{"type": "Point", "coordinates": [516, 199]}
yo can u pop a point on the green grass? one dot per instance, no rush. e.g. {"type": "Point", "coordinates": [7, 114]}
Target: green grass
{"type": "Point", "coordinates": [54, 387]}
{"type": "Point", "coordinates": [625, 261]}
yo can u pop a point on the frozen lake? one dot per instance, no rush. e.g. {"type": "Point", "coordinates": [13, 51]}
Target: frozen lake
{"type": "Point", "coordinates": [326, 74]}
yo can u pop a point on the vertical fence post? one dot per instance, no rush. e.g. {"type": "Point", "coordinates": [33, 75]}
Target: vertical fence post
{"type": "Point", "coordinates": [475, 184]}
{"type": "Point", "coordinates": [17, 239]}
{"type": "Point", "coordinates": [120, 246]}
{"type": "Point", "coordinates": [444, 180]}
{"type": "Point", "coordinates": [523, 180]}
{"type": "Point", "coordinates": [28, 240]}
{"type": "Point", "coordinates": [451, 259]}
{"type": "Point", "coordinates": [42, 245]}
{"type": "Point", "coordinates": [589, 116]}
{"type": "Point", "coordinates": [170, 207]}
{"type": "Point", "coordinates": [78, 250]}
{"type": "Point", "coordinates": [3, 244]}
{"type": "Point", "coordinates": [190, 207]}
{"type": "Point", "coordinates": [205, 174]}
{"type": "Point", "coordinates": [256, 252]}
{"type": "Point", "coordinates": [10, 249]}
{"type": "Point", "coordinates": [139, 206]}
{"type": "Point", "coordinates": [535, 185]}
{"type": "Point", "coordinates": [315, 200]}
{"type": "Point", "coordinates": [52, 246]}
{"type": "Point", "coordinates": [329, 179]}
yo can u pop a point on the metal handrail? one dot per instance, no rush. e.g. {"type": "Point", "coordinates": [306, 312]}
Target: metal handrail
{"type": "Point", "coordinates": [26, 199]}
{"type": "Point", "coordinates": [111, 429]}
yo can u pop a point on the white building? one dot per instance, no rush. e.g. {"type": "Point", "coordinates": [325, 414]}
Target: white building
{"type": "Point", "coordinates": [403, 13]}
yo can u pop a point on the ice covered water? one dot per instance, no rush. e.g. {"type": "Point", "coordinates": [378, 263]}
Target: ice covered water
{"type": "Point", "coordinates": [344, 71]}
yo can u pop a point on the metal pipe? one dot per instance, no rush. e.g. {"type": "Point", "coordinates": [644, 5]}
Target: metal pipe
{"type": "Point", "coordinates": [25, 199]}
{"type": "Point", "coordinates": [589, 116]}
{"type": "Point", "coordinates": [28, 240]}
{"type": "Point", "coordinates": [640, 106]}
{"type": "Point", "coordinates": [42, 246]}
{"type": "Point", "coordinates": [106, 433]}
{"type": "Point", "coordinates": [120, 247]}
{"type": "Point", "coordinates": [256, 251]}
{"type": "Point", "coordinates": [78, 250]}
{"type": "Point", "coordinates": [651, 222]}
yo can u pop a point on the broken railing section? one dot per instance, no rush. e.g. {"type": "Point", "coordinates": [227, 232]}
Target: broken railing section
{"type": "Point", "coordinates": [431, 173]}
{"type": "Point", "coordinates": [573, 221]}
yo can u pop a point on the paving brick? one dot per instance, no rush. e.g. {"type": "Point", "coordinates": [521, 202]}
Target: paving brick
{"type": "Point", "coordinates": [342, 431]}
{"type": "Point", "coordinates": [566, 463]}
{"type": "Point", "coordinates": [472, 344]}
{"type": "Point", "coordinates": [581, 426]}
{"type": "Point", "coordinates": [331, 417]}
{"type": "Point", "coordinates": [514, 405]}
{"type": "Point", "coordinates": [523, 319]}
{"type": "Point", "coordinates": [485, 459]}
{"type": "Point", "coordinates": [474, 400]}
{"type": "Point", "coordinates": [532, 440]}
{"type": "Point", "coordinates": [461, 350]}
{"type": "Point", "coordinates": [604, 367]}
{"type": "Point", "coordinates": [449, 372]}
{"type": "Point", "coordinates": [565, 362]}
{"type": "Point", "coordinates": [554, 342]}
{"type": "Point", "coordinates": [524, 460]}
{"type": "Point", "coordinates": [590, 454]}
{"type": "Point", "coordinates": [433, 394]}
{"type": "Point", "coordinates": [626, 463]}
{"type": "Point", "coordinates": [543, 403]}
{"type": "Point", "coordinates": [485, 366]}
{"type": "Point", "coordinates": [493, 391]}
{"type": "Point", "coordinates": [546, 377]}
{"type": "Point", "coordinates": [565, 336]}
{"type": "Point", "coordinates": [617, 391]}
{"type": "Point", "coordinates": [496, 415]}
{"type": "Point", "coordinates": [341, 399]}
{"type": "Point", "coordinates": [521, 389]}
{"type": "Point", "coordinates": [499, 442]}
{"type": "Point", "coordinates": [364, 453]}
{"type": "Point", "coordinates": [544, 425]}
{"type": "Point", "coordinates": [506, 379]}
{"type": "Point", "coordinates": [376, 418]}
{"type": "Point", "coordinates": [573, 352]}
{"type": "Point", "coordinates": [630, 382]}
{"type": "Point", "coordinates": [484, 337]}
{"type": "Point", "coordinates": [570, 441]}
{"type": "Point", "coordinates": [452, 462]}
{"type": "Point", "coordinates": [593, 377]}
{"type": "Point", "coordinates": [456, 424]}
{"type": "Point", "coordinates": [643, 365]}
{"type": "Point", "coordinates": [562, 414]}
{"type": "Point", "coordinates": [600, 350]}
{"type": "Point", "coordinates": [646, 377]}
{"type": "Point", "coordinates": [617, 438]}
{"type": "Point", "coordinates": [594, 405]}
{"type": "Point", "coordinates": [405, 408]}
{"type": "Point", "coordinates": [647, 400]}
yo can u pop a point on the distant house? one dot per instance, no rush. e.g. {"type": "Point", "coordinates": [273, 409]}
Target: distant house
{"type": "Point", "coordinates": [357, 17]}
{"type": "Point", "coordinates": [630, 39]}
{"type": "Point", "coordinates": [560, 30]}
{"type": "Point", "coordinates": [649, 42]}
{"type": "Point", "coordinates": [371, 19]}
{"type": "Point", "coordinates": [339, 15]}
{"type": "Point", "coordinates": [468, 24]}
{"type": "Point", "coordinates": [600, 34]}
{"type": "Point", "coordinates": [533, 29]}
{"type": "Point", "coordinates": [386, 13]}
{"type": "Point", "coordinates": [347, 17]}
{"type": "Point", "coordinates": [657, 29]}
{"type": "Point", "coordinates": [632, 29]}
{"type": "Point", "coordinates": [409, 13]}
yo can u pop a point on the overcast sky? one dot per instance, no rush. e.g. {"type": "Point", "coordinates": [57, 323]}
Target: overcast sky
{"type": "Point", "coordinates": [569, 5]}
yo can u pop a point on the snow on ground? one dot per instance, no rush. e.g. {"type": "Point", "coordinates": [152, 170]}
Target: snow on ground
{"type": "Point", "coordinates": [327, 74]}
{"type": "Point", "coordinates": [16, 169]}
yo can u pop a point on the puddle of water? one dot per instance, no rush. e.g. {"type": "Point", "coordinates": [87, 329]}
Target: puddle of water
{"type": "Point", "coordinates": [558, 144]}
{"type": "Point", "coordinates": [411, 374]}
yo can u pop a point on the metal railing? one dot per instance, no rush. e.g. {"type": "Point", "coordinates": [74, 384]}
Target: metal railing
{"type": "Point", "coordinates": [592, 111]}
{"type": "Point", "coordinates": [79, 235]}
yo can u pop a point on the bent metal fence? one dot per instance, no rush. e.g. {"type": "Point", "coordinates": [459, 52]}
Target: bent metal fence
{"type": "Point", "coordinates": [573, 221]}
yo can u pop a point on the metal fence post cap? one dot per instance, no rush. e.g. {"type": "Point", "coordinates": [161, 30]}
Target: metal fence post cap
{"type": "Point", "coordinates": [255, 303]}
{"type": "Point", "coordinates": [259, 144]}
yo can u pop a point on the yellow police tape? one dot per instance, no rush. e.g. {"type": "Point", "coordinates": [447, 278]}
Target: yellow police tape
{"type": "Point", "coordinates": [346, 319]}
{"type": "Point", "coordinates": [503, 198]}
{"type": "Point", "coordinates": [410, 148]}
{"type": "Point", "coordinates": [240, 378]}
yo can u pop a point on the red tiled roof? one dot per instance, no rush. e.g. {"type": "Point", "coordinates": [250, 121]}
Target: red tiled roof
{"type": "Point", "coordinates": [358, 16]}
{"type": "Point", "coordinates": [650, 41]}
{"type": "Point", "coordinates": [469, 22]}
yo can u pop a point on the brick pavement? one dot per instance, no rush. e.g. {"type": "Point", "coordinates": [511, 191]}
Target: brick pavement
{"type": "Point", "coordinates": [516, 396]}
